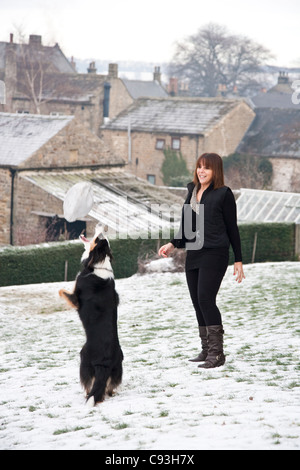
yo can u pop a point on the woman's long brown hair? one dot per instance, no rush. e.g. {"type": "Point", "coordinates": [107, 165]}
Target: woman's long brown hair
{"type": "Point", "coordinates": [215, 163]}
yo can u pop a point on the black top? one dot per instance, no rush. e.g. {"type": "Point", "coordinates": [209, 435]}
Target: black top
{"type": "Point", "coordinates": [220, 230]}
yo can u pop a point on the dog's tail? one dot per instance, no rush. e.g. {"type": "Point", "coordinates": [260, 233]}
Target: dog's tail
{"type": "Point", "coordinates": [70, 298]}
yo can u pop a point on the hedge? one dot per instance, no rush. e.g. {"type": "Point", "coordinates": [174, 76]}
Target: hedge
{"type": "Point", "coordinates": [274, 242]}
{"type": "Point", "coordinates": [47, 262]}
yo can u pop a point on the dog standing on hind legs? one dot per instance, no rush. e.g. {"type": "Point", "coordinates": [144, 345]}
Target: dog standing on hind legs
{"type": "Point", "coordinates": [96, 301]}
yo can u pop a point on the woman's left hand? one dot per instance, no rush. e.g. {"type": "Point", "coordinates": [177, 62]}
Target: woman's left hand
{"type": "Point", "coordinates": [238, 271]}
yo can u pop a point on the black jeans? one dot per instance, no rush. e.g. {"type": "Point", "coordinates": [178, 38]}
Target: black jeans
{"type": "Point", "coordinates": [204, 284]}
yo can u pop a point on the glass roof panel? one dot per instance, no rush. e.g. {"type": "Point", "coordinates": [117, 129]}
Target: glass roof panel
{"type": "Point", "coordinates": [255, 205]}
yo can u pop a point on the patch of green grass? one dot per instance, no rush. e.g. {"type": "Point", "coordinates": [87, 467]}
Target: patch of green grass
{"type": "Point", "coordinates": [120, 426]}
{"type": "Point", "coordinates": [66, 430]}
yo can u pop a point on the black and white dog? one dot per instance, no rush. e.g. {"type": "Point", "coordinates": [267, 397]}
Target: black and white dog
{"type": "Point", "coordinates": [96, 301]}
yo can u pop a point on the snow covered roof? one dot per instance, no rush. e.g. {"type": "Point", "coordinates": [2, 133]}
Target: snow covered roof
{"type": "Point", "coordinates": [255, 205]}
{"type": "Point", "coordinates": [173, 115]}
{"type": "Point", "coordinates": [23, 134]}
{"type": "Point", "coordinates": [125, 203]}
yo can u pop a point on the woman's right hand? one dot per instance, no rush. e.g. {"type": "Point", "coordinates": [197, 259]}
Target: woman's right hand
{"type": "Point", "coordinates": [166, 250]}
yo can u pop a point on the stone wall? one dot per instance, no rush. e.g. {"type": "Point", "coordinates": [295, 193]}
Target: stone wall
{"type": "Point", "coordinates": [146, 159]}
{"type": "Point", "coordinates": [225, 137]}
{"type": "Point", "coordinates": [32, 208]}
{"type": "Point", "coordinates": [28, 227]}
{"type": "Point", "coordinates": [75, 145]}
{"type": "Point", "coordinates": [119, 97]}
{"type": "Point", "coordinates": [5, 206]}
{"type": "Point", "coordinates": [286, 174]}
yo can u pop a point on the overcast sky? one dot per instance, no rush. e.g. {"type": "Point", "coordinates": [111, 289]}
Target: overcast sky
{"type": "Point", "coordinates": [136, 30]}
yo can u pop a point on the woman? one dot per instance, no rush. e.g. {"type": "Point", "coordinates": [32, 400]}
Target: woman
{"type": "Point", "coordinates": [206, 263]}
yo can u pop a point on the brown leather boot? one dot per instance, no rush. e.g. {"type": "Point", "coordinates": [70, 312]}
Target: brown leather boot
{"type": "Point", "coordinates": [215, 356]}
{"type": "Point", "coordinates": [203, 336]}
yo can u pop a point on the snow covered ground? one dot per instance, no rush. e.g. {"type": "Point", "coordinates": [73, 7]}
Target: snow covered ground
{"type": "Point", "coordinates": [165, 402]}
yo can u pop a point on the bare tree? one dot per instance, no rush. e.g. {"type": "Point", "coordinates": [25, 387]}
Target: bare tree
{"type": "Point", "coordinates": [218, 62]}
{"type": "Point", "coordinates": [37, 78]}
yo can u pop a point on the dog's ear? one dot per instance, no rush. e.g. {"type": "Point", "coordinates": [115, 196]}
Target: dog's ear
{"type": "Point", "coordinates": [98, 252]}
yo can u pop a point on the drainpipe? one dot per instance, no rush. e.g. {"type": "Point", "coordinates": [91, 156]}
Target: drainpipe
{"type": "Point", "coordinates": [129, 140]}
{"type": "Point", "coordinates": [107, 87]}
{"type": "Point", "coordinates": [12, 191]}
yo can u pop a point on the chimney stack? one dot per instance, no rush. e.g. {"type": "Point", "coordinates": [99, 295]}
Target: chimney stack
{"type": "Point", "coordinates": [113, 70]}
{"type": "Point", "coordinates": [73, 63]}
{"type": "Point", "coordinates": [92, 68]}
{"type": "Point", "coordinates": [283, 78]}
{"type": "Point", "coordinates": [35, 40]}
{"type": "Point", "coordinates": [11, 38]}
{"type": "Point", "coordinates": [173, 86]}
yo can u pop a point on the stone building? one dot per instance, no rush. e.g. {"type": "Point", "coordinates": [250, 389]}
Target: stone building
{"type": "Point", "coordinates": [41, 80]}
{"type": "Point", "coordinates": [41, 158]}
{"type": "Point", "coordinates": [279, 96]}
{"type": "Point", "coordinates": [192, 126]}
{"type": "Point", "coordinates": [275, 134]}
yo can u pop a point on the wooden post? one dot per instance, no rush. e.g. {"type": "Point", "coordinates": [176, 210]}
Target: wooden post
{"type": "Point", "coordinates": [254, 247]}
{"type": "Point", "coordinates": [297, 241]}
{"type": "Point", "coordinates": [66, 271]}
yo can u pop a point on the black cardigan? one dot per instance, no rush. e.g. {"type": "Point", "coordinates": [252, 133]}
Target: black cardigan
{"type": "Point", "coordinates": [220, 221]}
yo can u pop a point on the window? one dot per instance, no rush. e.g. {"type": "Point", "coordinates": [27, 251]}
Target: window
{"type": "Point", "coordinates": [151, 179]}
{"type": "Point", "coordinates": [160, 144]}
{"type": "Point", "coordinates": [175, 143]}
{"type": "Point", "coordinates": [57, 228]}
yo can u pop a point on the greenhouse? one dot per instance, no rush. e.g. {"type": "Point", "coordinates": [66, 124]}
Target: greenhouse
{"type": "Point", "coordinates": [255, 205]}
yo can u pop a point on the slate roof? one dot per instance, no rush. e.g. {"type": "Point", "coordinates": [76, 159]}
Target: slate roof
{"type": "Point", "coordinates": [46, 54]}
{"type": "Point", "coordinates": [273, 133]}
{"type": "Point", "coordinates": [274, 100]}
{"type": "Point", "coordinates": [23, 134]}
{"type": "Point", "coordinates": [190, 116]}
{"type": "Point", "coordinates": [122, 201]}
{"type": "Point", "coordinates": [140, 88]}
{"type": "Point", "coordinates": [77, 88]}
{"type": "Point", "coordinates": [279, 96]}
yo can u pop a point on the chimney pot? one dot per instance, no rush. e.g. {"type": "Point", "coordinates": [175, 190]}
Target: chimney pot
{"type": "Point", "coordinates": [11, 38]}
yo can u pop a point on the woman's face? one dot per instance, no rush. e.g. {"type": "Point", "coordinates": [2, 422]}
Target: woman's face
{"type": "Point", "coordinates": [205, 175]}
